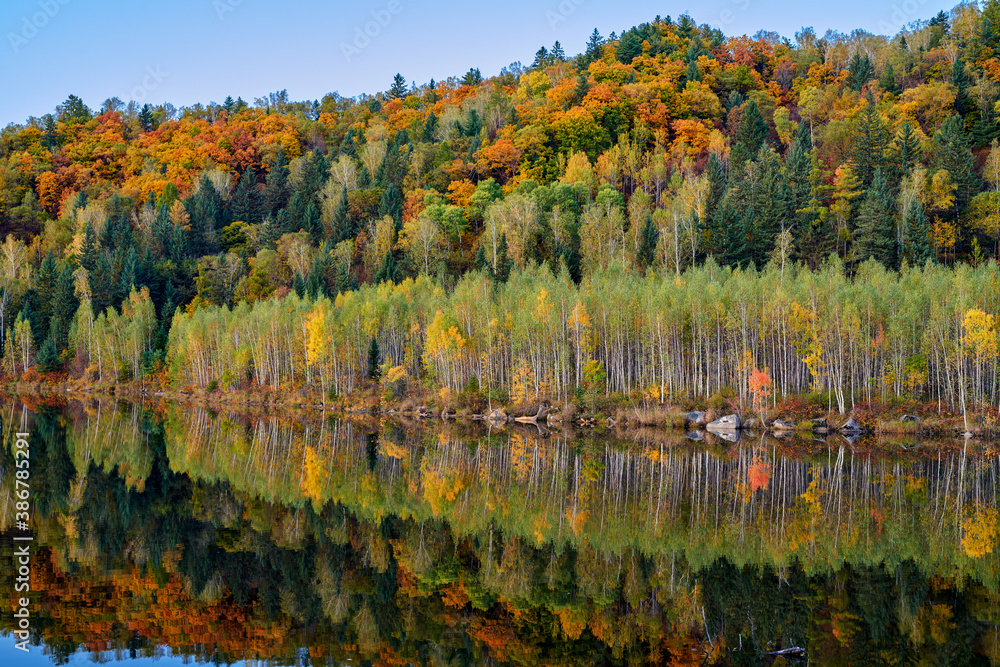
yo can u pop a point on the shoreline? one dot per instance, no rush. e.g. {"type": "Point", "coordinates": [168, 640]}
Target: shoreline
{"type": "Point", "coordinates": [793, 415]}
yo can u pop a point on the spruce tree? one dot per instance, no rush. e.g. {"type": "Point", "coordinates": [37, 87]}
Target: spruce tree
{"type": "Point", "coordinates": [398, 88]}
{"type": "Point", "coordinates": [906, 149]}
{"type": "Point", "coordinates": [876, 228]}
{"type": "Point", "coordinates": [64, 305]}
{"type": "Point", "coordinates": [501, 271]}
{"type": "Point", "coordinates": [960, 80]}
{"type": "Point", "coordinates": [629, 47]}
{"type": "Point", "coordinates": [859, 71]}
{"type": "Point", "coordinates": [648, 239]}
{"type": "Point", "coordinates": [88, 249]}
{"type": "Point", "coordinates": [374, 360]}
{"type": "Point", "coordinates": [479, 262]}
{"type": "Point", "coordinates": [48, 360]}
{"type": "Point", "coordinates": [312, 223]}
{"type": "Point", "coordinates": [888, 80]}
{"type": "Point", "coordinates": [392, 204]}
{"type": "Point", "coordinates": [341, 222]}
{"type": "Point", "coordinates": [952, 153]}
{"type": "Point", "coordinates": [276, 190]}
{"type": "Point", "coordinates": [916, 235]}
{"type": "Point", "coordinates": [247, 204]}
{"type": "Point", "coordinates": [387, 271]}
{"type": "Point", "coordinates": [750, 135]}
{"type": "Point", "coordinates": [869, 140]}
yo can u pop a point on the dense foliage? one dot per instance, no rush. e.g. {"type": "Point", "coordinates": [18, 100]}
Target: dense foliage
{"type": "Point", "coordinates": [668, 148]}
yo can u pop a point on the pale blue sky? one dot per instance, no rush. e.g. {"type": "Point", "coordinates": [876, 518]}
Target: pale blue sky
{"type": "Point", "coordinates": [188, 51]}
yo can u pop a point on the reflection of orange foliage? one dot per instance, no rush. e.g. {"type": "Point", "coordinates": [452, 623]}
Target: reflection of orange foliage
{"type": "Point", "coordinates": [573, 622]}
{"type": "Point", "coordinates": [454, 595]}
{"type": "Point", "coordinates": [759, 473]}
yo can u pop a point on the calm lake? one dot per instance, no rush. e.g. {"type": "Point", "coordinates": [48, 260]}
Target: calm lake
{"type": "Point", "coordinates": [187, 535]}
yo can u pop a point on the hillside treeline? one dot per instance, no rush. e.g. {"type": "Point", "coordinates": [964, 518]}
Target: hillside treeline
{"type": "Point", "coordinates": [668, 150]}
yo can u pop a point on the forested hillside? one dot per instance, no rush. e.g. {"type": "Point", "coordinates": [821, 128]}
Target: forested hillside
{"type": "Point", "coordinates": [662, 213]}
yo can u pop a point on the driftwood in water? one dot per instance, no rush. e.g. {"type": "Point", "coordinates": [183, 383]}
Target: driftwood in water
{"type": "Point", "coordinates": [543, 409]}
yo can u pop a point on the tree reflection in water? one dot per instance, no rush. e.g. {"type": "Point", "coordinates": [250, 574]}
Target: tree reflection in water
{"type": "Point", "coordinates": [227, 537]}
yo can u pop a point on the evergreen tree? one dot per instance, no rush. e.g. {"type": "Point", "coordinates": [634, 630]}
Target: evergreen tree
{"type": "Point", "coordinates": [430, 126]}
{"type": "Point", "coordinates": [45, 287]}
{"type": "Point", "coordinates": [750, 136]}
{"type": "Point", "coordinates": [312, 223]}
{"type": "Point", "coordinates": [387, 271]}
{"type": "Point", "coordinates": [398, 88]}
{"type": "Point", "coordinates": [501, 271]}
{"type": "Point", "coordinates": [960, 80]}
{"type": "Point", "coordinates": [392, 204]}
{"type": "Point", "coordinates": [869, 140]}
{"type": "Point", "coordinates": [276, 192]}
{"type": "Point", "coordinates": [595, 47]}
{"type": "Point", "coordinates": [374, 361]}
{"type": "Point", "coordinates": [348, 145]}
{"type": "Point", "coordinates": [299, 286]}
{"type": "Point", "coordinates": [629, 47]}
{"type": "Point", "coordinates": [648, 240]}
{"type": "Point", "coordinates": [952, 153]}
{"type": "Point", "coordinates": [541, 58]}
{"type": "Point", "coordinates": [876, 228]}
{"type": "Point", "coordinates": [797, 168]}
{"type": "Point", "coordinates": [916, 236]}
{"type": "Point", "coordinates": [479, 262]}
{"type": "Point", "coordinates": [906, 150]}
{"type": "Point", "coordinates": [247, 203]}
{"type": "Point", "coordinates": [48, 360]}
{"type": "Point", "coordinates": [557, 52]}
{"type": "Point", "coordinates": [64, 306]}
{"type": "Point", "coordinates": [888, 80]}
{"type": "Point", "coordinates": [341, 222]}
{"type": "Point", "coordinates": [859, 71]}
{"type": "Point", "coordinates": [87, 256]}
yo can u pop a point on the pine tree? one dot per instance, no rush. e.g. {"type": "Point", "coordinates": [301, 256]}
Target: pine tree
{"type": "Point", "coordinates": [312, 223]}
{"type": "Point", "coordinates": [48, 360]}
{"type": "Point", "coordinates": [906, 149]}
{"type": "Point", "coordinates": [629, 47]}
{"type": "Point", "coordinates": [541, 58]}
{"type": "Point", "coordinates": [501, 271]}
{"type": "Point", "coordinates": [797, 168]}
{"type": "Point", "coordinates": [750, 135]}
{"type": "Point", "coordinates": [479, 262]}
{"type": "Point", "coordinates": [247, 204]}
{"type": "Point", "coordinates": [45, 287]}
{"type": "Point", "coordinates": [960, 79]}
{"type": "Point", "coordinates": [869, 140]}
{"type": "Point", "coordinates": [341, 223]}
{"type": "Point", "coordinates": [430, 126]}
{"type": "Point", "coordinates": [87, 256]}
{"type": "Point", "coordinates": [876, 228]}
{"type": "Point", "coordinates": [952, 153]}
{"type": "Point", "coordinates": [648, 240]}
{"type": "Point", "coordinates": [387, 271]}
{"type": "Point", "coordinates": [398, 88]}
{"type": "Point", "coordinates": [374, 361]}
{"type": "Point", "coordinates": [888, 80]}
{"type": "Point", "coordinates": [916, 236]}
{"type": "Point", "coordinates": [859, 71]}
{"type": "Point", "coordinates": [276, 191]}
{"type": "Point", "coordinates": [64, 305]}
{"type": "Point", "coordinates": [595, 45]}
{"type": "Point", "coordinates": [557, 52]}
{"type": "Point", "coordinates": [392, 204]}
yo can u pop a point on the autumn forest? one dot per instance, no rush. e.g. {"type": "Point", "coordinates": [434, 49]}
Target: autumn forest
{"type": "Point", "coordinates": [658, 218]}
